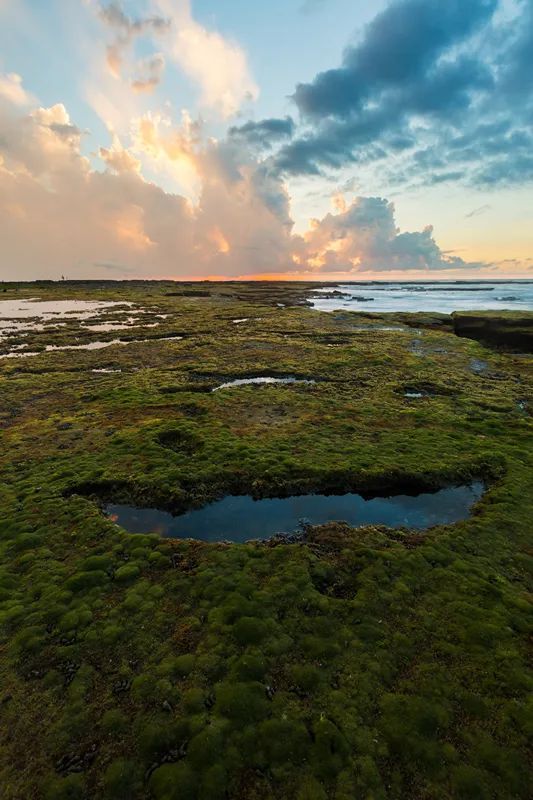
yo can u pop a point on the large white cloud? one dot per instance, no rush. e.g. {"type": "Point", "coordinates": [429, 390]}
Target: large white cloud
{"type": "Point", "coordinates": [11, 89]}
{"type": "Point", "coordinates": [58, 215]}
{"type": "Point", "coordinates": [363, 237]}
{"type": "Point", "coordinates": [61, 215]}
{"type": "Point", "coordinates": [219, 66]}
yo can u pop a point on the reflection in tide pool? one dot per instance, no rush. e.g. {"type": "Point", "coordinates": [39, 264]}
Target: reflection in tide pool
{"type": "Point", "coordinates": [239, 517]}
{"type": "Point", "coordinates": [76, 309]}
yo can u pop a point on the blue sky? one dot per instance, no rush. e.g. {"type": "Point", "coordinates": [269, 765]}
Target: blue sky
{"type": "Point", "coordinates": [264, 136]}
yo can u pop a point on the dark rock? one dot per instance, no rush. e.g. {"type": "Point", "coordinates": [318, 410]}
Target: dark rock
{"type": "Point", "coordinates": [510, 329]}
{"type": "Point", "coordinates": [76, 762]}
{"type": "Point", "coordinates": [122, 686]}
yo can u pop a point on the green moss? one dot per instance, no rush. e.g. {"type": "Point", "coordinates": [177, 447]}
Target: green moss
{"type": "Point", "coordinates": [194, 701]}
{"type": "Point", "coordinates": [241, 702]}
{"type": "Point", "coordinates": [181, 666]}
{"type": "Point", "coordinates": [311, 789]}
{"type": "Point", "coordinates": [330, 749]}
{"type": "Point", "coordinates": [148, 689]}
{"type": "Point", "coordinates": [159, 738]}
{"type": "Point", "coordinates": [250, 666]}
{"type": "Point", "coordinates": [471, 784]}
{"type": "Point", "coordinates": [214, 783]}
{"type": "Point", "coordinates": [70, 788]}
{"type": "Point", "coordinates": [306, 677]}
{"type": "Point", "coordinates": [82, 581]}
{"type": "Point", "coordinates": [283, 741]}
{"type": "Point", "coordinates": [120, 780]}
{"type": "Point", "coordinates": [360, 663]}
{"type": "Point", "coordinates": [127, 573]}
{"type": "Point", "coordinates": [250, 630]}
{"type": "Point", "coordinates": [114, 721]}
{"type": "Point", "coordinates": [173, 782]}
{"type": "Point", "coordinates": [206, 748]}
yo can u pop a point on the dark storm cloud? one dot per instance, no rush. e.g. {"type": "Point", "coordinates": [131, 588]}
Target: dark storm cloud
{"type": "Point", "coordinates": [448, 87]}
{"type": "Point", "coordinates": [407, 65]}
{"type": "Point", "coordinates": [264, 133]}
{"type": "Point", "coordinates": [517, 65]}
{"type": "Point", "coordinates": [384, 126]}
{"type": "Point", "coordinates": [400, 46]}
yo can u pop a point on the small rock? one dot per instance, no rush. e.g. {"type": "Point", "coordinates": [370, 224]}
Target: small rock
{"type": "Point", "coordinates": [121, 686]}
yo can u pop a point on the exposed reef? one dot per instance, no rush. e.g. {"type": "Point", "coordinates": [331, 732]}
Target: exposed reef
{"type": "Point", "coordinates": [333, 663]}
{"type": "Point", "coordinates": [511, 328]}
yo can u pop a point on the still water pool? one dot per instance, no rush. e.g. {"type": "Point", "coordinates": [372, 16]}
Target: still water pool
{"type": "Point", "coordinates": [239, 517]}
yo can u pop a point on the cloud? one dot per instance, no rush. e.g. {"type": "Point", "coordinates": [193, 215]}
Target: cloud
{"type": "Point", "coordinates": [11, 90]}
{"type": "Point", "coordinates": [218, 65]}
{"type": "Point", "coordinates": [215, 64]}
{"type": "Point", "coordinates": [402, 45]}
{"type": "Point", "coordinates": [477, 211]}
{"type": "Point", "coordinates": [149, 72]}
{"type": "Point", "coordinates": [363, 237]}
{"type": "Point", "coordinates": [516, 63]}
{"type": "Point", "coordinates": [430, 92]}
{"type": "Point", "coordinates": [169, 149]}
{"type": "Point", "coordinates": [118, 158]}
{"type": "Point", "coordinates": [125, 32]}
{"type": "Point", "coordinates": [310, 6]}
{"type": "Point", "coordinates": [406, 66]}
{"type": "Point", "coordinates": [42, 142]}
{"type": "Point", "coordinates": [119, 269]}
{"type": "Point", "coordinates": [265, 133]}
{"type": "Point", "coordinates": [58, 215]}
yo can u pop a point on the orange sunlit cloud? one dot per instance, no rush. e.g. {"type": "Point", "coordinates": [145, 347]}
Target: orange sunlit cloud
{"type": "Point", "coordinates": [219, 240]}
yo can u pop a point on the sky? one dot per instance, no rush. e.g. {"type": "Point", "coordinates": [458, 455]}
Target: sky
{"type": "Point", "coordinates": [297, 139]}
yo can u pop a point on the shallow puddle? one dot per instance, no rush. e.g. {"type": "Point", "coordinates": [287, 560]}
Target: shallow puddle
{"type": "Point", "coordinates": [239, 518]}
{"type": "Point", "coordinates": [88, 346]}
{"type": "Point", "coordinates": [24, 309]}
{"type": "Point", "coordinates": [399, 328]}
{"type": "Point", "coordinates": [260, 380]}
{"type": "Point", "coordinates": [477, 366]}
{"type": "Point", "coordinates": [106, 370]}
{"type": "Point", "coordinates": [98, 345]}
{"type": "Point", "coordinates": [118, 326]}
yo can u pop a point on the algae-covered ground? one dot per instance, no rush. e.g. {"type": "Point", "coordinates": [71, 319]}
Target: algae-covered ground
{"type": "Point", "coordinates": [356, 664]}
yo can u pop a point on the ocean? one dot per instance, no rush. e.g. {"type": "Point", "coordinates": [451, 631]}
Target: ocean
{"type": "Point", "coordinates": [442, 297]}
